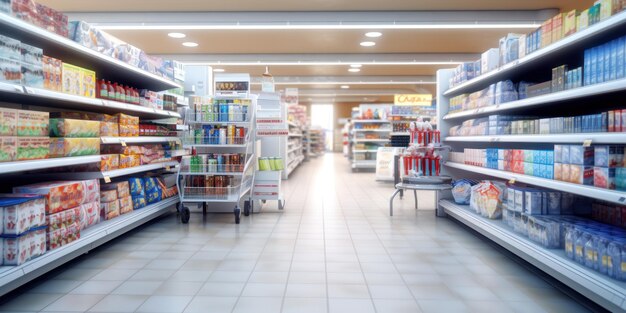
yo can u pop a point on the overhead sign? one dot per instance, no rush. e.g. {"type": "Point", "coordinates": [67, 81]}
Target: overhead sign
{"type": "Point", "coordinates": [414, 99]}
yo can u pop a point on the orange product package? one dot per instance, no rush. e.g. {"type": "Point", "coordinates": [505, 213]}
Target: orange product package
{"type": "Point", "coordinates": [64, 195]}
{"type": "Point", "coordinates": [128, 161]}
{"type": "Point", "coordinates": [126, 205]}
{"type": "Point", "coordinates": [124, 119]}
{"type": "Point", "coordinates": [128, 130]}
{"type": "Point", "coordinates": [109, 129]}
{"type": "Point", "coordinates": [109, 162]}
{"type": "Point", "coordinates": [109, 210]}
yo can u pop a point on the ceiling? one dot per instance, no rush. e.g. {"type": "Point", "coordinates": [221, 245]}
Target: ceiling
{"type": "Point", "coordinates": [314, 52]}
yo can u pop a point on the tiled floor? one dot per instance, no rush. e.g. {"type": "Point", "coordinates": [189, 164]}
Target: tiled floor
{"type": "Point", "coordinates": [334, 249]}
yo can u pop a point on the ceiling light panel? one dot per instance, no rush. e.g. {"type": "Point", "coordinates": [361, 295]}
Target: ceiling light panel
{"type": "Point", "coordinates": [368, 44]}
{"type": "Point", "coordinates": [373, 34]}
{"type": "Point", "coordinates": [177, 35]}
{"type": "Point", "coordinates": [354, 70]}
{"type": "Point", "coordinates": [190, 44]}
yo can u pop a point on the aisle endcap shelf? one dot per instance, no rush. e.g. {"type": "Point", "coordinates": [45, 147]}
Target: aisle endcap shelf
{"type": "Point", "coordinates": [579, 138]}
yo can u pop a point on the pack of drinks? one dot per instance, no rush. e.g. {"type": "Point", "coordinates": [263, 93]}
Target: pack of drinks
{"type": "Point", "coordinates": [221, 110]}
{"type": "Point", "coordinates": [220, 135]}
{"type": "Point", "coordinates": [214, 163]}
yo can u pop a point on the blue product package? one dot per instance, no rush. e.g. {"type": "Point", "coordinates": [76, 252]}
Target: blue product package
{"type": "Point", "coordinates": [528, 169]}
{"type": "Point", "coordinates": [593, 69]}
{"type": "Point", "coordinates": [613, 65]}
{"type": "Point", "coordinates": [532, 202]}
{"type": "Point", "coordinates": [149, 184]}
{"type": "Point", "coordinates": [536, 170]}
{"type": "Point", "coordinates": [153, 196]}
{"type": "Point", "coordinates": [553, 203]}
{"type": "Point", "coordinates": [587, 68]}
{"type": "Point", "coordinates": [136, 186]}
{"type": "Point", "coordinates": [602, 66]}
{"type": "Point", "coordinates": [550, 157]}
{"type": "Point", "coordinates": [621, 45]}
{"type": "Point", "coordinates": [139, 202]}
{"type": "Point", "coordinates": [604, 122]}
{"type": "Point", "coordinates": [556, 154]}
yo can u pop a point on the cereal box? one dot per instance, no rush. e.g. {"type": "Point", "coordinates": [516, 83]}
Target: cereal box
{"type": "Point", "coordinates": [32, 123]}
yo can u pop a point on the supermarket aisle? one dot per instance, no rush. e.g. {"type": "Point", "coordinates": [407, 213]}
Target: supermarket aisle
{"type": "Point", "coordinates": [334, 249]}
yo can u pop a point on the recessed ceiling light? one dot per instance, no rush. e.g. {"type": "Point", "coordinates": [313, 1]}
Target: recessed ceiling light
{"type": "Point", "coordinates": [345, 87]}
{"type": "Point", "coordinates": [373, 34]}
{"type": "Point", "coordinates": [355, 65]}
{"type": "Point", "coordinates": [177, 35]}
{"type": "Point", "coordinates": [219, 70]}
{"type": "Point", "coordinates": [368, 44]}
{"type": "Point", "coordinates": [354, 70]}
{"type": "Point", "coordinates": [190, 44]}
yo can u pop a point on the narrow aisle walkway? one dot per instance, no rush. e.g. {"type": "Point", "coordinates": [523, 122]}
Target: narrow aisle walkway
{"type": "Point", "coordinates": [334, 249]}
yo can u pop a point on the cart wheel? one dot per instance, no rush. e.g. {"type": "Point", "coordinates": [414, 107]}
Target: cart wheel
{"type": "Point", "coordinates": [179, 208]}
{"type": "Point", "coordinates": [204, 207]}
{"type": "Point", "coordinates": [184, 215]}
{"type": "Point", "coordinates": [281, 205]}
{"type": "Point", "coordinates": [246, 208]}
{"type": "Point", "coordinates": [263, 201]}
{"type": "Point", "coordinates": [237, 215]}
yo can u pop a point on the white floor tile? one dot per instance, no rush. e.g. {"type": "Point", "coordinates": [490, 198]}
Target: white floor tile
{"type": "Point", "coordinates": [202, 304]}
{"type": "Point", "coordinates": [305, 305]}
{"type": "Point", "coordinates": [258, 305]}
{"type": "Point", "coordinates": [165, 304]}
{"type": "Point", "coordinates": [119, 303]}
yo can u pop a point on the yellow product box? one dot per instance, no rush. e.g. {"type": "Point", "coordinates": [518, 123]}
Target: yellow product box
{"type": "Point", "coordinates": [569, 25]}
{"type": "Point", "coordinates": [582, 21]}
{"type": "Point", "coordinates": [8, 149]}
{"type": "Point", "coordinates": [126, 205]}
{"type": "Point", "coordinates": [557, 27]}
{"type": "Point", "coordinates": [88, 83]}
{"type": "Point", "coordinates": [128, 161]}
{"type": "Point", "coordinates": [64, 127]}
{"type": "Point", "coordinates": [109, 162]}
{"type": "Point", "coordinates": [69, 147]}
{"type": "Point", "coordinates": [52, 72]}
{"type": "Point", "coordinates": [546, 33]}
{"type": "Point", "coordinates": [32, 148]}
{"type": "Point", "coordinates": [109, 129]}
{"type": "Point", "coordinates": [129, 130]}
{"type": "Point", "coordinates": [71, 79]}
{"type": "Point", "coordinates": [32, 123]}
{"type": "Point", "coordinates": [124, 119]}
{"type": "Point", "coordinates": [8, 122]}
{"type": "Point", "coordinates": [606, 9]}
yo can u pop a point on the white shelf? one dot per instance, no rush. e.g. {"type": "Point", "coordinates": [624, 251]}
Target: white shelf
{"type": "Point", "coordinates": [140, 139]}
{"type": "Point", "coordinates": [295, 135]}
{"type": "Point", "coordinates": [55, 99]}
{"type": "Point", "coordinates": [178, 153]}
{"type": "Point", "coordinates": [609, 293]}
{"type": "Point", "coordinates": [575, 42]}
{"type": "Point", "coordinates": [400, 134]}
{"type": "Point", "coordinates": [364, 151]}
{"type": "Point", "coordinates": [243, 123]}
{"type": "Point", "coordinates": [294, 149]}
{"type": "Point", "coordinates": [21, 166]}
{"type": "Point", "coordinates": [292, 124]}
{"type": "Point", "coordinates": [370, 121]}
{"type": "Point", "coordinates": [364, 164]}
{"type": "Point", "coordinates": [596, 138]}
{"type": "Point", "coordinates": [69, 51]}
{"type": "Point", "coordinates": [388, 130]}
{"type": "Point", "coordinates": [404, 115]}
{"type": "Point", "coordinates": [587, 191]}
{"type": "Point", "coordinates": [545, 100]}
{"type": "Point", "coordinates": [214, 146]}
{"type": "Point", "coordinates": [16, 276]}
{"type": "Point", "coordinates": [110, 174]}
{"type": "Point", "coordinates": [372, 140]}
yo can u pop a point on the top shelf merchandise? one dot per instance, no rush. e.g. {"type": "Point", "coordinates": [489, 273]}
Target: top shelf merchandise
{"type": "Point", "coordinates": [108, 56]}
{"type": "Point", "coordinates": [519, 56]}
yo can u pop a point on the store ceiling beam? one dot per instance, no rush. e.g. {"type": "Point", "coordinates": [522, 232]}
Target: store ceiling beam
{"type": "Point", "coordinates": [339, 80]}
{"type": "Point", "coordinates": [286, 59]}
{"type": "Point", "coordinates": [316, 20]}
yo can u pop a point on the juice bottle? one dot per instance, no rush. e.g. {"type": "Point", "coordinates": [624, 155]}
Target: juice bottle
{"type": "Point", "coordinates": [129, 94]}
{"type": "Point", "coordinates": [103, 90]}
{"type": "Point", "coordinates": [111, 89]}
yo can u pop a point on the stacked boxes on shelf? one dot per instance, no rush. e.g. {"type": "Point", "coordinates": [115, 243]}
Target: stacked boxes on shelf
{"type": "Point", "coordinates": [23, 231]}
{"type": "Point", "coordinates": [38, 14]}
{"type": "Point", "coordinates": [23, 135]}
{"type": "Point", "coordinates": [73, 137]}
{"type": "Point", "coordinates": [538, 163]}
{"type": "Point", "coordinates": [115, 200]}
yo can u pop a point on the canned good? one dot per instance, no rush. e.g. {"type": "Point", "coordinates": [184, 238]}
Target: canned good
{"type": "Point", "coordinates": [212, 166]}
{"type": "Point", "coordinates": [264, 164]}
{"type": "Point", "coordinates": [279, 164]}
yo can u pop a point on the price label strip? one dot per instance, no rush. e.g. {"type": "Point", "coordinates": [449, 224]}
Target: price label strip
{"type": "Point", "coordinates": [107, 179]}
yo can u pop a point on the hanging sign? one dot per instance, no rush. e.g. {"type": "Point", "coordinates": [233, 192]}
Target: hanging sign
{"type": "Point", "coordinates": [413, 99]}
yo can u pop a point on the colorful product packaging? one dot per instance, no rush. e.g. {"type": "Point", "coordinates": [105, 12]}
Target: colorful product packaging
{"type": "Point", "coordinates": [8, 122]}
{"type": "Point", "coordinates": [69, 147]}
{"type": "Point", "coordinates": [32, 148]}
{"type": "Point", "coordinates": [139, 202]}
{"type": "Point", "coordinates": [64, 195]}
{"type": "Point", "coordinates": [52, 73]}
{"type": "Point", "coordinates": [122, 188]}
{"type": "Point", "coordinates": [20, 213]}
{"type": "Point", "coordinates": [128, 130]}
{"type": "Point", "coordinates": [110, 210]}
{"type": "Point", "coordinates": [63, 236]}
{"type": "Point", "coordinates": [62, 127]}
{"type": "Point", "coordinates": [108, 195]}
{"type": "Point", "coordinates": [604, 177]}
{"type": "Point", "coordinates": [25, 247]}
{"type": "Point", "coordinates": [89, 214]}
{"type": "Point", "coordinates": [124, 119]}
{"type": "Point", "coordinates": [126, 205]}
{"type": "Point", "coordinates": [109, 162]}
{"type": "Point", "coordinates": [109, 129]}
{"type": "Point", "coordinates": [32, 123]}
{"type": "Point", "coordinates": [8, 149]}
{"type": "Point", "coordinates": [63, 219]}
{"type": "Point", "coordinates": [128, 161]}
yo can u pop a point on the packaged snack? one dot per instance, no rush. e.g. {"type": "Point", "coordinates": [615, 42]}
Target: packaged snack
{"type": "Point", "coordinates": [109, 129]}
{"type": "Point", "coordinates": [32, 75]}
{"type": "Point", "coordinates": [8, 122]}
{"type": "Point", "coordinates": [63, 236]}
{"type": "Point", "coordinates": [16, 250]}
{"type": "Point", "coordinates": [63, 218]}
{"type": "Point", "coordinates": [8, 149]}
{"type": "Point", "coordinates": [139, 202]}
{"type": "Point", "coordinates": [580, 174]}
{"type": "Point", "coordinates": [52, 70]}
{"type": "Point", "coordinates": [63, 195]}
{"type": "Point", "coordinates": [10, 71]}
{"type": "Point", "coordinates": [118, 149]}
{"type": "Point", "coordinates": [10, 49]}
{"type": "Point", "coordinates": [68, 147]}
{"type": "Point", "coordinates": [61, 127]}
{"type": "Point", "coordinates": [153, 196]}
{"type": "Point", "coordinates": [604, 177]}
{"type": "Point", "coordinates": [79, 116]}
{"type": "Point", "coordinates": [149, 183]}
{"type": "Point", "coordinates": [126, 205]}
{"type": "Point", "coordinates": [128, 161]}
{"type": "Point", "coordinates": [128, 130]}
{"type": "Point", "coordinates": [109, 162]}
{"type": "Point", "coordinates": [32, 148]}
{"type": "Point", "coordinates": [461, 191]}
{"type": "Point", "coordinates": [108, 195]}
{"type": "Point", "coordinates": [89, 214]}
{"type": "Point", "coordinates": [87, 83]}
{"type": "Point", "coordinates": [136, 186]}
{"type": "Point", "coordinates": [109, 210]}
{"type": "Point", "coordinates": [71, 79]}
{"type": "Point", "coordinates": [581, 155]}
{"type": "Point", "coordinates": [122, 188]}
{"type": "Point", "coordinates": [32, 123]}
{"type": "Point", "coordinates": [124, 119]}
{"type": "Point", "coordinates": [21, 212]}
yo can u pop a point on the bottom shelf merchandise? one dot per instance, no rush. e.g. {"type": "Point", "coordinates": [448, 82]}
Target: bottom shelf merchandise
{"type": "Point", "coordinates": [554, 220]}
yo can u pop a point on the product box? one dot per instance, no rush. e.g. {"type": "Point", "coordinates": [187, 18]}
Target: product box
{"type": "Point", "coordinates": [63, 219]}
{"type": "Point", "coordinates": [581, 155]}
{"type": "Point", "coordinates": [10, 71]}
{"type": "Point", "coordinates": [63, 236]}
{"type": "Point", "coordinates": [129, 160]}
{"type": "Point", "coordinates": [31, 55]}
{"type": "Point", "coordinates": [122, 188]}
{"type": "Point", "coordinates": [546, 33]}
{"type": "Point", "coordinates": [565, 172]}
{"type": "Point", "coordinates": [61, 127]}
{"type": "Point", "coordinates": [558, 171]}
{"type": "Point", "coordinates": [533, 202]}
{"type": "Point", "coordinates": [89, 214]}
{"type": "Point", "coordinates": [582, 175]}
{"type": "Point", "coordinates": [490, 60]}
{"type": "Point", "coordinates": [557, 27]}
{"type": "Point", "coordinates": [52, 73]}
{"type": "Point", "coordinates": [8, 149]}
{"type": "Point", "coordinates": [63, 195]}
{"type": "Point", "coordinates": [604, 177]}
{"type": "Point", "coordinates": [10, 49]}
{"type": "Point", "coordinates": [569, 25]}
{"type": "Point", "coordinates": [139, 202]}
{"type": "Point", "coordinates": [32, 123]}
{"type": "Point", "coordinates": [20, 213]}
{"type": "Point", "coordinates": [126, 205]}
{"type": "Point", "coordinates": [109, 129]}
{"type": "Point", "coordinates": [522, 42]}
{"type": "Point", "coordinates": [124, 119]}
{"type": "Point", "coordinates": [606, 8]}
{"type": "Point", "coordinates": [108, 195]}
{"type": "Point", "coordinates": [32, 75]}
{"type": "Point", "coordinates": [69, 147]}
{"type": "Point", "coordinates": [110, 210]}
{"type": "Point", "coordinates": [18, 250]}
{"type": "Point", "coordinates": [128, 130]}
{"type": "Point", "coordinates": [87, 83]}
{"type": "Point", "coordinates": [32, 148]}
{"type": "Point", "coordinates": [619, 65]}
{"type": "Point", "coordinates": [519, 200]}
{"type": "Point", "coordinates": [71, 79]}
{"type": "Point", "coordinates": [109, 162]}
{"type": "Point", "coordinates": [8, 122]}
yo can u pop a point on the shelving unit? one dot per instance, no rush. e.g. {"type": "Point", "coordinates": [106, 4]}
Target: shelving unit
{"type": "Point", "coordinates": [53, 45]}
{"type": "Point", "coordinates": [317, 142]}
{"type": "Point", "coordinates": [295, 148]}
{"type": "Point", "coordinates": [605, 291]}
{"type": "Point", "coordinates": [367, 137]}
{"type": "Point", "coordinates": [141, 139]}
